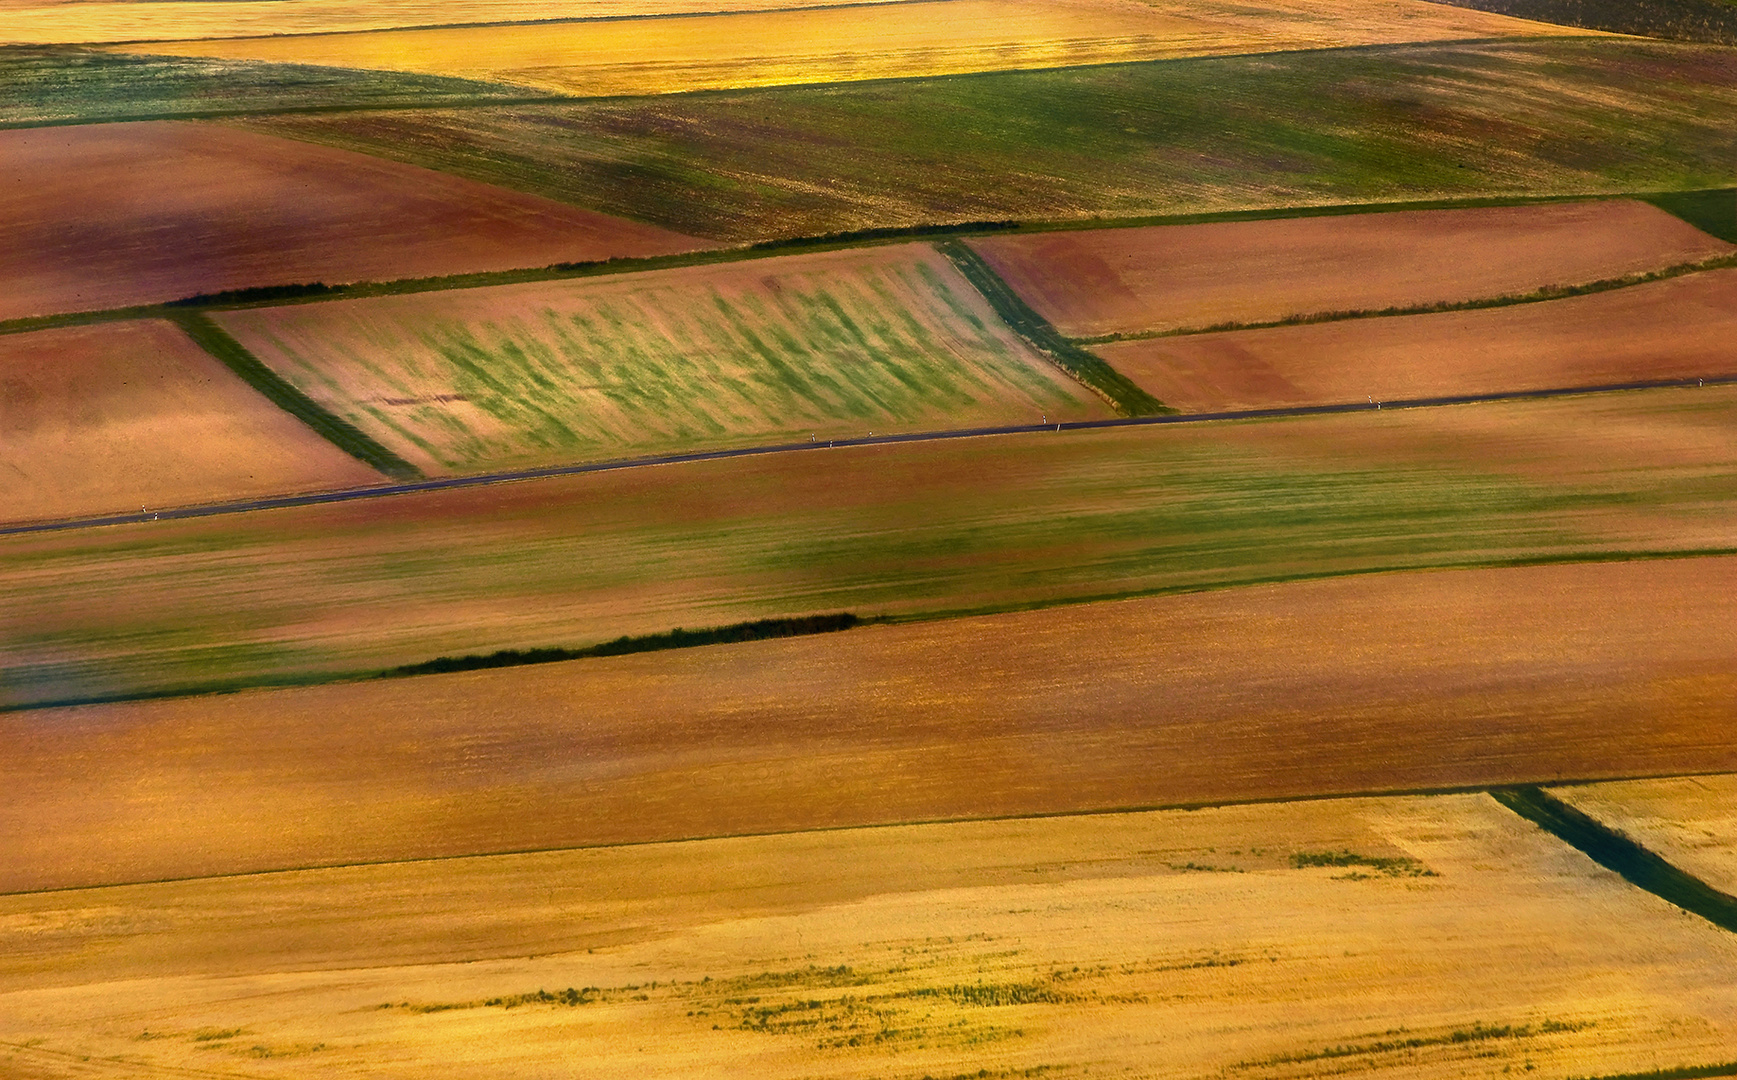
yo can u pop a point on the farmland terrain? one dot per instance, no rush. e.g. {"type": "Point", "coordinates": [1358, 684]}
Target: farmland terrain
{"type": "Point", "coordinates": [1178, 137]}
{"type": "Point", "coordinates": [1683, 327]}
{"type": "Point", "coordinates": [760, 351]}
{"type": "Point", "coordinates": [111, 215]}
{"type": "Point", "coordinates": [1680, 20]}
{"type": "Point", "coordinates": [829, 44]}
{"type": "Point", "coordinates": [918, 529]}
{"type": "Point", "coordinates": [1104, 282]}
{"type": "Point", "coordinates": [123, 415]}
{"type": "Point", "coordinates": [1171, 944]}
{"type": "Point", "coordinates": [1688, 820]}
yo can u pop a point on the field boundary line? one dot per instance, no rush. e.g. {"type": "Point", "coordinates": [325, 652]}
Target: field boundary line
{"type": "Point", "coordinates": [1087, 368]}
{"type": "Point", "coordinates": [1617, 852]}
{"type": "Point", "coordinates": [286, 294]}
{"type": "Point", "coordinates": [282, 393]}
{"type": "Point", "coordinates": [411, 487]}
{"type": "Point", "coordinates": [1441, 307]}
{"type": "Point", "coordinates": [1374, 793]}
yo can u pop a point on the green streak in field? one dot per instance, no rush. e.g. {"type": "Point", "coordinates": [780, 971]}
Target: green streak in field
{"type": "Point", "coordinates": [1388, 124]}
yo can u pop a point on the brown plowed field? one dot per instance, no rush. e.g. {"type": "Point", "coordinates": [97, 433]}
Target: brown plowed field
{"type": "Point", "coordinates": [32, 22]}
{"type": "Point", "coordinates": [1170, 945]}
{"type": "Point", "coordinates": [123, 415]}
{"type": "Point", "coordinates": [871, 41]}
{"type": "Point", "coordinates": [1381, 682]}
{"type": "Point", "coordinates": [111, 215]}
{"type": "Point", "coordinates": [1680, 328]}
{"type": "Point", "coordinates": [1113, 281]}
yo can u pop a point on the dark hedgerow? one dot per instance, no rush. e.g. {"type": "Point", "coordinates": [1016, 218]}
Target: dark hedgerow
{"type": "Point", "coordinates": [759, 630]}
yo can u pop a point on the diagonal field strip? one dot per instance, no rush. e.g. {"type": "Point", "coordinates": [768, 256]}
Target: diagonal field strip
{"type": "Point", "coordinates": [339, 432]}
{"type": "Point", "coordinates": [1616, 852]}
{"type": "Point", "coordinates": [513, 476]}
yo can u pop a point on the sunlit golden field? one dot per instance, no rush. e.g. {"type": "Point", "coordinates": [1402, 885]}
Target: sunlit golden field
{"type": "Point", "coordinates": [1419, 937]}
{"type": "Point", "coordinates": [933, 37]}
{"type": "Point", "coordinates": [1690, 821]}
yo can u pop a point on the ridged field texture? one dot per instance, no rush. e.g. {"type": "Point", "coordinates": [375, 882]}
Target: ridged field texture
{"type": "Point", "coordinates": [912, 529]}
{"type": "Point", "coordinates": [833, 345]}
{"type": "Point", "coordinates": [866, 41]}
{"type": "Point", "coordinates": [1338, 126]}
{"type": "Point", "coordinates": [1429, 938]}
{"type": "Point", "coordinates": [127, 415]}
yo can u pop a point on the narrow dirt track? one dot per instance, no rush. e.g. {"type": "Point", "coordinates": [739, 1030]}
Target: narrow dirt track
{"type": "Point", "coordinates": [1376, 683]}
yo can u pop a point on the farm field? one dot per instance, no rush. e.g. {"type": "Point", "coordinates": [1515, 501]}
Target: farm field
{"type": "Point", "coordinates": [1168, 944]}
{"type": "Point", "coordinates": [1394, 682]}
{"type": "Point", "coordinates": [1683, 327]}
{"type": "Point", "coordinates": [918, 529]}
{"type": "Point", "coordinates": [1690, 822]}
{"type": "Point", "coordinates": [1098, 282]}
{"type": "Point", "coordinates": [854, 43]}
{"type": "Point", "coordinates": [34, 22]}
{"type": "Point", "coordinates": [770, 350]}
{"type": "Point", "coordinates": [1179, 137]}
{"type": "Point", "coordinates": [119, 214]}
{"type": "Point", "coordinates": [122, 415]}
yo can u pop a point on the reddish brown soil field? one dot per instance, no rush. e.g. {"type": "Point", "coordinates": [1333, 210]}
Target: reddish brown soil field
{"type": "Point", "coordinates": [116, 214]}
{"type": "Point", "coordinates": [1681, 328]}
{"type": "Point", "coordinates": [1106, 281]}
{"type": "Point", "coordinates": [1380, 682]}
{"type": "Point", "coordinates": [125, 415]}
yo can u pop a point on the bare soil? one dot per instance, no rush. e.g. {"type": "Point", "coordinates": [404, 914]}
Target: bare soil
{"type": "Point", "coordinates": [123, 416]}
{"type": "Point", "coordinates": [111, 215]}
{"type": "Point", "coordinates": [1680, 328]}
{"type": "Point", "coordinates": [1109, 281]}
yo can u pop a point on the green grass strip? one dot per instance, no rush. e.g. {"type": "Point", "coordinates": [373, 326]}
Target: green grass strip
{"type": "Point", "coordinates": [759, 630]}
{"type": "Point", "coordinates": [1548, 292]}
{"type": "Point", "coordinates": [1614, 851]}
{"type": "Point", "coordinates": [1088, 368]}
{"type": "Point", "coordinates": [335, 430]}
{"type": "Point", "coordinates": [1681, 1072]}
{"type": "Point", "coordinates": [1713, 212]}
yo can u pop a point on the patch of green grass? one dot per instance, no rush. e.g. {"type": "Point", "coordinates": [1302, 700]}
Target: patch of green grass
{"type": "Point", "coordinates": [65, 85]}
{"type": "Point", "coordinates": [1680, 1072]}
{"type": "Point", "coordinates": [1713, 21]}
{"type": "Point", "coordinates": [1387, 866]}
{"type": "Point", "coordinates": [1713, 212]}
{"type": "Point", "coordinates": [1400, 1040]}
{"type": "Point", "coordinates": [1386, 124]}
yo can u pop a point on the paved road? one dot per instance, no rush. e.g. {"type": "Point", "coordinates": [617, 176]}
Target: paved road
{"type": "Point", "coordinates": [382, 491]}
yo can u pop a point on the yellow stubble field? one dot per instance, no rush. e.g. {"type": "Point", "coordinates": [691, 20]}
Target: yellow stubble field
{"type": "Point", "coordinates": [875, 41]}
{"type": "Point", "coordinates": [1428, 937]}
{"type": "Point", "coordinates": [1690, 822]}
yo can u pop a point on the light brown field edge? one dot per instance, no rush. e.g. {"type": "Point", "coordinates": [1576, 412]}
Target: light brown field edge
{"type": "Point", "coordinates": [1101, 282]}
{"type": "Point", "coordinates": [1384, 682]}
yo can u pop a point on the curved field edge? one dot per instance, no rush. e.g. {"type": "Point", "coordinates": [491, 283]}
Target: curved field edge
{"type": "Point", "coordinates": [1172, 137]}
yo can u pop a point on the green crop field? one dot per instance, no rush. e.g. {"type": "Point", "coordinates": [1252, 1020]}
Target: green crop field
{"type": "Point", "coordinates": [834, 345]}
{"type": "Point", "coordinates": [1348, 125]}
{"type": "Point", "coordinates": [1678, 20]}
{"type": "Point", "coordinates": [49, 85]}
{"type": "Point", "coordinates": [913, 530]}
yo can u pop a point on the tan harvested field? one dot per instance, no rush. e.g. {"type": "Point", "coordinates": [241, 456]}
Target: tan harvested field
{"type": "Point", "coordinates": [834, 345]}
{"type": "Point", "coordinates": [1466, 943]}
{"type": "Point", "coordinates": [1374, 683]}
{"type": "Point", "coordinates": [44, 22]}
{"type": "Point", "coordinates": [1683, 327]}
{"type": "Point", "coordinates": [873, 41]}
{"type": "Point", "coordinates": [905, 529]}
{"type": "Point", "coordinates": [1116, 281]}
{"type": "Point", "coordinates": [112, 215]}
{"type": "Point", "coordinates": [119, 416]}
{"type": "Point", "coordinates": [1690, 822]}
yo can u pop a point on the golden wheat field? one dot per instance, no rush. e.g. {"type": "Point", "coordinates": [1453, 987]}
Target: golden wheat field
{"type": "Point", "coordinates": [1689, 821]}
{"type": "Point", "coordinates": [877, 41]}
{"type": "Point", "coordinates": [1437, 937]}
{"type": "Point", "coordinates": [120, 416]}
{"type": "Point", "coordinates": [36, 22]}
{"type": "Point", "coordinates": [836, 345]}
